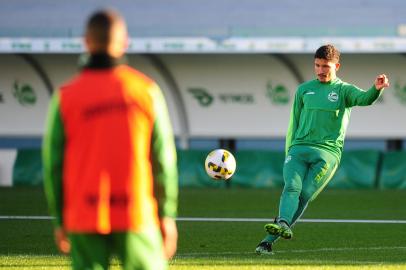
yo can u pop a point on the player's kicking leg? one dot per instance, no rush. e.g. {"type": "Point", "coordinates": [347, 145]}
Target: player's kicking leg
{"type": "Point", "coordinates": [324, 167]}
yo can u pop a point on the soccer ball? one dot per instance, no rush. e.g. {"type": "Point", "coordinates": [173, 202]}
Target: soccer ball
{"type": "Point", "coordinates": [220, 164]}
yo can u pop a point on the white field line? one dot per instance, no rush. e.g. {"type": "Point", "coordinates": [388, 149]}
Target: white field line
{"type": "Point", "coordinates": [27, 217]}
{"type": "Point", "coordinates": [200, 219]}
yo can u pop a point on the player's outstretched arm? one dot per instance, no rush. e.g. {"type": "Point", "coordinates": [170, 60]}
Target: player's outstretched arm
{"type": "Point", "coordinates": [355, 96]}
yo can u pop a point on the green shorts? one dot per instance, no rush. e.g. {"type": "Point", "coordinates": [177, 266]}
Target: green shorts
{"type": "Point", "coordinates": [134, 250]}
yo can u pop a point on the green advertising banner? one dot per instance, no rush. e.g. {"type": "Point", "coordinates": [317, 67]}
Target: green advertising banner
{"type": "Point", "coordinates": [192, 172]}
{"type": "Point", "coordinates": [393, 174]}
{"type": "Point", "coordinates": [256, 169]}
{"type": "Point", "coordinates": [264, 169]}
{"type": "Point", "coordinates": [358, 169]}
{"type": "Point", "coordinates": [27, 168]}
{"type": "Point", "coordinates": [259, 169]}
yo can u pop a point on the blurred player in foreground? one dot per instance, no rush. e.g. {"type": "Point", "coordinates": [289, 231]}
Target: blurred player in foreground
{"type": "Point", "coordinates": [315, 138]}
{"type": "Point", "coordinates": [110, 159]}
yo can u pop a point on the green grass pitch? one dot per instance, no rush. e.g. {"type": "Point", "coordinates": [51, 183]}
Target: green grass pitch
{"type": "Point", "coordinates": [28, 244]}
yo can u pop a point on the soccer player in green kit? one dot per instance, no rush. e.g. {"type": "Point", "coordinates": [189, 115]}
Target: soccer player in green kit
{"type": "Point", "coordinates": [315, 138]}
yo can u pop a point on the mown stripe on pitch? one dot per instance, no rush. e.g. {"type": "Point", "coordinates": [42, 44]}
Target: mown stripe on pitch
{"type": "Point", "coordinates": [205, 219]}
{"type": "Point", "coordinates": [193, 254]}
{"type": "Point", "coordinates": [300, 220]}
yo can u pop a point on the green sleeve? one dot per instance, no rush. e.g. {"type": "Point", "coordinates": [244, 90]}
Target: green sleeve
{"type": "Point", "coordinates": [163, 155]}
{"type": "Point", "coordinates": [355, 96]}
{"type": "Point", "coordinates": [52, 158]}
{"type": "Point", "coordinates": [293, 121]}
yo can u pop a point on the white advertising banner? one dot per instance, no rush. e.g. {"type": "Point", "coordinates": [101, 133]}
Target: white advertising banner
{"type": "Point", "coordinates": [234, 96]}
{"type": "Point", "coordinates": [385, 118]}
{"type": "Point", "coordinates": [225, 95]}
{"type": "Point", "coordinates": [251, 95]}
{"type": "Point", "coordinates": [23, 98]}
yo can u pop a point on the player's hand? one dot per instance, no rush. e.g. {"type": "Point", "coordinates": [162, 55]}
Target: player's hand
{"type": "Point", "coordinates": [381, 82]}
{"type": "Point", "coordinates": [169, 236]}
{"type": "Point", "coordinates": [61, 240]}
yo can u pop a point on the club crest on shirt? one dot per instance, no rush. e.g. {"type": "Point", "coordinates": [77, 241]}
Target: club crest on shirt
{"type": "Point", "coordinates": [332, 96]}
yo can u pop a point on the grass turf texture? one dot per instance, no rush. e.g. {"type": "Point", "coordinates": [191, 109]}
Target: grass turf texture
{"type": "Point", "coordinates": [28, 244]}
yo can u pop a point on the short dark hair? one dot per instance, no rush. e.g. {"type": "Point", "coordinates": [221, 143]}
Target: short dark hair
{"type": "Point", "coordinates": [99, 26]}
{"type": "Point", "coordinates": [328, 52]}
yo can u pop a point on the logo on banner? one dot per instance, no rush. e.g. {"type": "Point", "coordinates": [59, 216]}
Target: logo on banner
{"type": "Point", "coordinates": [202, 96]}
{"type": "Point", "coordinates": [24, 94]}
{"type": "Point", "coordinates": [237, 98]}
{"type": "Point", "coordinates": [278, 94]}
{"type": "Point", "coordinates": [400, 92]}
{"type": "Point", "coordinates": [205, 99]}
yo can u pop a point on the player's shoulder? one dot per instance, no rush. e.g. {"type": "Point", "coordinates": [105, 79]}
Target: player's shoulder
{"type": "Point", "coordinates": [135, 74]}
{"type": "Point", "coordinates": [71, 82]}
{"type": "Point", "coordinates": [339, 81]}
{"type": "Point", "coordinates": [135, 79]}
{"type": "Point", "coordinates": [306, 85]}
{"type": "Point", "coordinates": [344, 85]}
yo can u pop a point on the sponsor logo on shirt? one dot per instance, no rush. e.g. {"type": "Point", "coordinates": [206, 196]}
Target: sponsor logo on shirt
{"type": "Point", "coordinates": [332, 96]}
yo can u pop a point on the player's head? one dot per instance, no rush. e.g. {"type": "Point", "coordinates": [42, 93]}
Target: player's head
{"type": "Point", "coordinates": [326, 63]}
{"type": "Point", "coordinates": [106, 32]}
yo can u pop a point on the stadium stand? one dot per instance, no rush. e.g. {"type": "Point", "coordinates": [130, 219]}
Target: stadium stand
{"type": "Point", "coordinates": [215, 19]}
